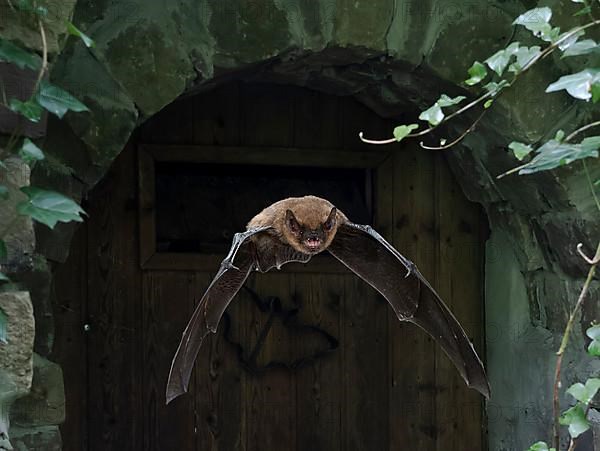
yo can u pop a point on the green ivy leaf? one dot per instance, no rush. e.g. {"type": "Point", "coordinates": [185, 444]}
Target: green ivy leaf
{"type": "Point", "coordinates": [494, 88]}
{"type": "Point", "coordinates": [595, 89]}
{"type": "Point", "coordinates": [568, 38]}
{"type": "Point", "coordinates": [584, 393]}
{"type": "Point", "coordinates": [594, 333]}
{"type": "Point", "coordinates": [520, 150]}
{"type": "Point", "coordinates": [30, 153]}
{"type": "Point", "coordinates": [559, 135]}
{"type": "Point", "coordinates": [11, 53]}
{"type": "Point", "coordinates": [537, 20]}
{"type": "Point", "coordinates": [445, 101]}
{"type": "Point", "coordinates": [57, 100]}
{"type": "Point", "coordinates": [477, 73]}
{"type": "Point", "coordinates": [73, 30]}
{"type": "Point", "coordinates": [577, 85]}
{"type": "Point", "coordinates": [488, 103]}
{"type": "Point", "coordinates": [3, 317]}
{"type": "Point", "coordinates": [581, 48]}
{"type": "Point", "coordinates": [499, 60]}
{"type": "Point", "coordinates": [553, 154]}
{"type": "Point", "coordinates": [402, 131]}
{"type": "Point", "coordinates": [523, 56]}
{"type": "Point", "coordinates": [576, 420]}
{"type": "Point", "coordinates": [583, 11]}
{"type": "Point", "coordinates": [49, 207]}
{"type": "Point", "coordinates": [30, 109]}
{"type": "Point", "coordinates": [433, 115]}
{"type": "Point", "coordinates": [3, 250]}
{"type": "Point", "coordinates": [3, 192]}
{"type": "Point", "coordinates": [540, 446]}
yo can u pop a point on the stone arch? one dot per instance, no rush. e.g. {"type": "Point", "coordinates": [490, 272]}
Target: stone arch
{"type": "Point", "coordinates": [396, 57]}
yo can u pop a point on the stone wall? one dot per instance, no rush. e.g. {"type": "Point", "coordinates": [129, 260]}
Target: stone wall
{"type": "Point", "coordinates": [396, 57]}
{"type": "Point", "coordinates": [31, 387]}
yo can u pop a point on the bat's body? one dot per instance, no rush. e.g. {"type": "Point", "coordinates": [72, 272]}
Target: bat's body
{"type": "Point", "coordinates": [297, 228]}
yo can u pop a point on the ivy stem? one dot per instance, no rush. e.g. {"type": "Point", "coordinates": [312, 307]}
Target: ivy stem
{"type": "Point", "coordinates": [547, 51]}
{"type": "Point", "coordinates": [581, 129]}
{"type": "Point", "coordinates": [457, 140]}
{"type": "Point", "coordinates": [44, 58]}
{"type": "Point", "coordinates": [589, 179]}
{"type": "Point", "coordinates": [565, 342]}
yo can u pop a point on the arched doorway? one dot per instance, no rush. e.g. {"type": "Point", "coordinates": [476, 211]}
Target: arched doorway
{"type": "Point", "coordinates": [365, 381]}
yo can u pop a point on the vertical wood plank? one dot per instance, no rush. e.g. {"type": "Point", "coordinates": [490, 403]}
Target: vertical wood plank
{"type": "Point", "coordinates": [174, 124]}
{"type": "Point", "coordinates": [271, 411]}
{"type": "Point", "coordinates": [268, 115]}
{"type": "Point", "coordinates": [69, 287]}
{"type": "Point", "coordinates": [220, 385]}
{"type": "Point", "coordinates": [365, 341]}
{"type": "Point", "coordinates": [319, 395]}
{"type": "Point", "coordinates": [168, 299]}
{"type": "Point", "coordinates": [217, 116]}
{"type": "Point", "coordinates": [317, 120]}
{"type": "Point", "coordinates": [412, 393]}
{"type": "Point", "coordinates": [114, 311]}
{"type": "Point", "coordinates": [458, 409]}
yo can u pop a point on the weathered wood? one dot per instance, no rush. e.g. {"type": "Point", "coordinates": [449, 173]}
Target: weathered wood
{"type": "Point", "coordinates": [219, 384]}
{"type": "Point", "coordinates": [168, 300]}
{"type": "Point", "coordinates": [217, 116]}
{"type": "Point", "coordinates": [272, 156]}
{"type": "Point", "coordinates": [317, 121]}
{"type": "Point", "coordinates": [365, 379]}
{"type": "Point", "coordinates": [319, 393]}
{"type": "Point", "coordinates": [412, 391]}
{"type": "Point", "coordinates": [146, 206]}
{"type": "Point", "coordinates": [114, 312]}
{"type": "Point", "coordinates": [70, 340]}
{"type": "Point", "coordinates": [459, 283]}
{"type": "Point", "coordinates": [208, 262]}
{"type": "Point", "coordinates": [270, 396]}
{"type": "Point", "coordinates": [174, 124]}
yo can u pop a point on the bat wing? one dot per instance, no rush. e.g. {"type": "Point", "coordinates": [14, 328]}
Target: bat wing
{"type": "Point", "coordinates": [243, 257]}
{"type": "Point", "coordinates": [378, 263]}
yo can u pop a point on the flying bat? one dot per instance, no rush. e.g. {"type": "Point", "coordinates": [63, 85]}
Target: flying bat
{"type": "Point", "coordinates": [295, 229]}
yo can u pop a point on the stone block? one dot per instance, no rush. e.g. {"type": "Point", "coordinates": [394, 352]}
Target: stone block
{"type": "Point", "coordinates": [45, 403]}
{"type": "Point", "coordinates": [43, 438]}
{"type": "Point", "coordinates": [16, 367]}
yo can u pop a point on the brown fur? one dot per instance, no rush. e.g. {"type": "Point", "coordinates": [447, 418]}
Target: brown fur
{"type": "Point", "coordinates": [310, 211]}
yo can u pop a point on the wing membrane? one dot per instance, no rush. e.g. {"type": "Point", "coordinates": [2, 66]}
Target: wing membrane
{"type": "Point", "coordinates": [411, 296]}
{"type": "Point", "coordinates": [229, 279]}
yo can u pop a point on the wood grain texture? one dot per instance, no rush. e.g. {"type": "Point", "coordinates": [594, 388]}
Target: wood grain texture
{"type": "Point", "coordinates": [69, 294]}
{"type": "Point", "coordinates": [114, 312]}
{"type": "Point", "coordinates": [459, 282]}
{"type": "Point", "coordinates": [413, 390]}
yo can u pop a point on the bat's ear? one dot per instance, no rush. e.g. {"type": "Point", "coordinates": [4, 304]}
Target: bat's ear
{"type": "Point", "coordinates": [291, 221]}
{"type": "Point", "coordinates": [330, 222]}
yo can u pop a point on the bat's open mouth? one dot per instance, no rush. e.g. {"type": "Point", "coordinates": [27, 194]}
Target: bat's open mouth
{"type": "Point", "coordinates": [312, 243]}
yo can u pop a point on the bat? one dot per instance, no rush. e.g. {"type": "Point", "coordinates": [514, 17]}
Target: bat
{"type": "Point", "coordinates": [295, 229]}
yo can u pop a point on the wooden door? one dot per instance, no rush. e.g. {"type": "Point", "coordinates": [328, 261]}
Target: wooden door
{"type": "Point", "coordinates": [359, 380]}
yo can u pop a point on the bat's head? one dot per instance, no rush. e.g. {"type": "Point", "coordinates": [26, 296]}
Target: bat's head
{"type": "Point", "coordinates": [310, 232]}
